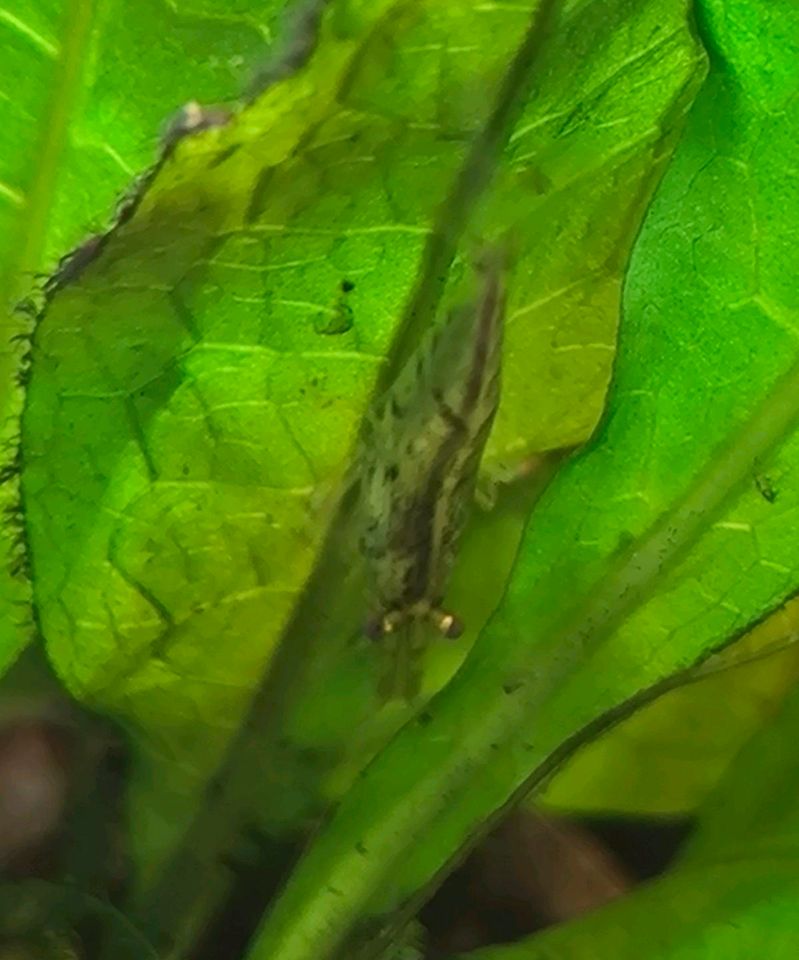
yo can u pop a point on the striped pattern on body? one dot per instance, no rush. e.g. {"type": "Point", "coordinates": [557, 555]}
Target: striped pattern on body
{"type": "Point", "coordinates": [420, 459]}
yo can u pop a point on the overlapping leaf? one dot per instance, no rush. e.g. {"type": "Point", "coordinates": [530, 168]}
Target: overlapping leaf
{"type": "Point", "coordinates": [665, 758]}
{"type": "Point", "coordinates": [196, 392]}
{"type": "Point", "coordinates": [654, 545]}
{"type": "Point", "coordinates": [733, 893]}
{"type": "Point", "coordinates": [84, 91]}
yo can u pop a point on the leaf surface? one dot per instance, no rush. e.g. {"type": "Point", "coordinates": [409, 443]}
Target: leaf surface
{"type": "Point", "coordinates": [667, 757]}
{"type": "Point", "coordinates": [654, 545]}
{"type": "Point", "coordinates": [734, 891]}
{"type": "Point", "coordinates": [85, 91]}
{"type": "Point", "coordinates": [197, 391]}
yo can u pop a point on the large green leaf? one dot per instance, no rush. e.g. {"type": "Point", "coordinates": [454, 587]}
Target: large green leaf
{"type": "Point", "coordinates": [666, 757]}
{"type": "Point", "coordinates": [86, 87]}
{"type": "Point", "coordinates": [653, 546]}
{"type": "Point", "coordinates": [196, 393]}
{"type": "Point", "coordinates": [734, 893]}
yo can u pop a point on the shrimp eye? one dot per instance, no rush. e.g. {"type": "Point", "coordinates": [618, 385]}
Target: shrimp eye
{"type": "Point", "coordinates": [449, 625]}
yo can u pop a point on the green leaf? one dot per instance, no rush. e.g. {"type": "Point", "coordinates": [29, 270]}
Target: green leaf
{"type": "Point", "coordinates": [336, 697]}
{"type": "Point", "coordinates": [86, 89]}
{"type": "Point", "coordinates": [99, 81]}
{"type": "Point", "coordinates": [188, 404]}
{"type": "Point", "coordinates": [653, 546]}
{"type": "Point", "coordinates": [666, 757]}
{"type": "Point", "coordinates": [195, 398]}
{"type": "Point", "coordinates": [734, 892]}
